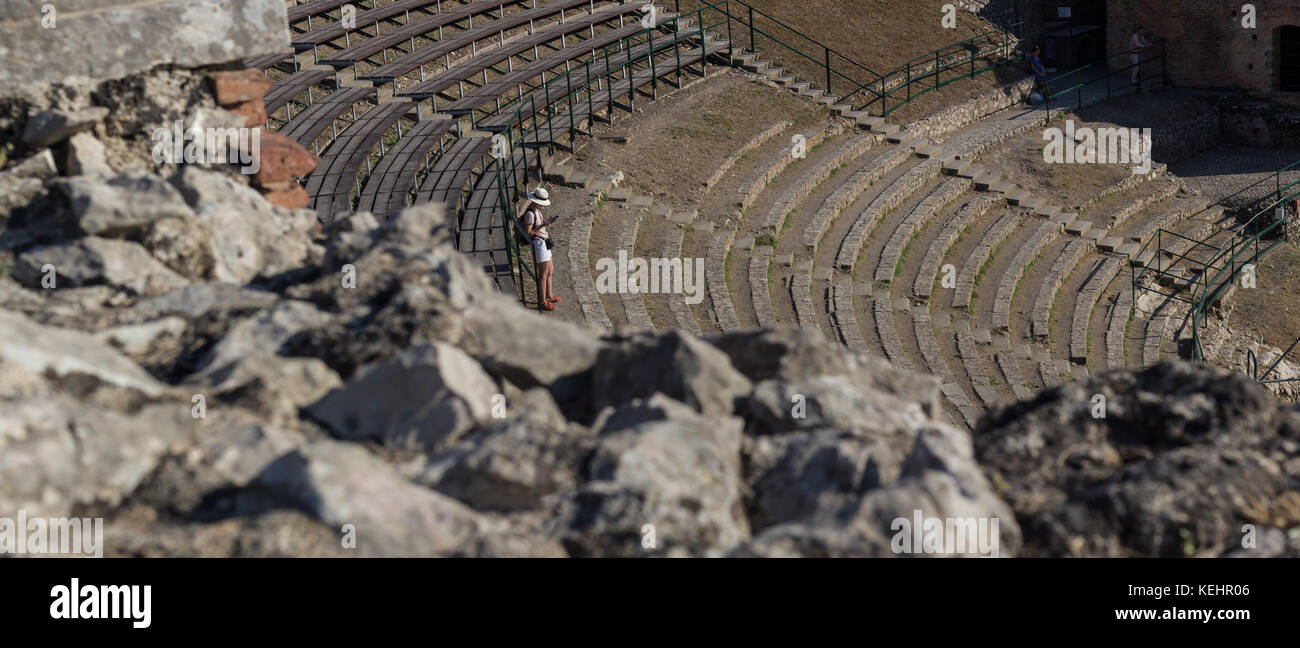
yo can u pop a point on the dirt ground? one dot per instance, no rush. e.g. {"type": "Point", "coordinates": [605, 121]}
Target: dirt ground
{"type": "Point", "coordinates": [1271, 309]}
{"type": "Point", "coordinates": [674, 143]}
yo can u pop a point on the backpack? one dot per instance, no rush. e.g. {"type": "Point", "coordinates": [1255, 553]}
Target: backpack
{"type": "Point", "coordinates": [521, 228]}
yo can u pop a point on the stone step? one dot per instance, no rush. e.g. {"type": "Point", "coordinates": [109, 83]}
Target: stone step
{"type": "Point", "coordinates": [786, 79]}
{"type": "Point", "coordinates": [1109, 243]}
{"type": "Point", "coordinates": [898, 136]}
{"type": "Point", "coordinates": [1032, 202]}
{"type": "Point", "coordinates": [842, 108]}
{"type": "Point", "coordinates": [757, 66]}
{"type": "Point", "coordinates": [929, 151]}
{"type": "Point", "coordinates": [1048, 211]}
{"type": "Point", "coordinates": [1016, 196]}
{"type": "Point", "coordinates": [1078, 227]}
{"type": "Point", "coordinates": [956, 166]}
{"type": "Point", "coordinates": [1064, 219]}
{"type": "Point", "coordinates": [1095, 234]}
{"type": "Point", "coordinates": [885, 128]}
{"type": "Point", "coordinates": [1003, 187]}
{"type": "Point", "coordinates": [985, 180]}
{"type": "Point", "coordinates": [869, 121]}
{"type": "Point", "coordinates": [1128, 249]}
{"type": "Point", "coordinates": [970, 172]}
{"type": "Point", "coordinates": [685, 216]}
{"type": "Point", "coordinates": [812, 93]}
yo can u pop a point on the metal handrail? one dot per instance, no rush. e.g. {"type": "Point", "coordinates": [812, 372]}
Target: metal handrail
{"type": "Point", "coordinates": [1212, 289]}
{"type": "Point", "coordinates": [579, 80]}
{"type": "Point", "coordinates": [1106, 74]}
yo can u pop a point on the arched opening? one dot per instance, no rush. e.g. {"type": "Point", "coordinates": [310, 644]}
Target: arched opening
{"type": "Point", "coordinates": [1287, 41]}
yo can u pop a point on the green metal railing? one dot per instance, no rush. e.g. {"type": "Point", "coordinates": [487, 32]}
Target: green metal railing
{"type": "Point", "coordinates": [790, 48]}
{"type": "Point", "coordinates": [1229, 262]}
{"type": "Point", "coordinates": [960, 60]}
{"type": "Point", "coordinates": [1099, 72]}
{"type": "Point", "coordinates": [591, 81]}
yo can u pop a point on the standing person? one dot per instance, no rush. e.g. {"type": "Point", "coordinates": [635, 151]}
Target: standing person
{"type": "Point", "coordinates": [535, 227]}
{"type": "Point", "coordinates": [1136, 44]}
{"type": "Point", "coordinates": [1040, 73]}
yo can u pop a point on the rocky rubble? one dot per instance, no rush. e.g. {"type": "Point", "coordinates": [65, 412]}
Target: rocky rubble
{"type": "Point", "coordinates": [215, 375]}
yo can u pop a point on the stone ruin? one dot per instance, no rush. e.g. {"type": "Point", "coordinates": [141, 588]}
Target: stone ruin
{"type": "Point", "coordinates": [180, 355]}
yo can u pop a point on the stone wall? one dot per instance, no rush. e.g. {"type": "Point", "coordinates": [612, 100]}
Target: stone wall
{"type": "Point", "coordinates": [953, 117]}
{"type": "Point", "coordinates": [111, 39]}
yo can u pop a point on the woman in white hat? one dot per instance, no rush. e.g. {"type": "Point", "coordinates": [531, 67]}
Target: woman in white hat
{"type": "Point", "coordinates": [535, 227]}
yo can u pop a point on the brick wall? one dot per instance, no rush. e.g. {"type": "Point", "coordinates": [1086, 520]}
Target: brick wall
{"type": "Point", "coordinates": [1208, 47]}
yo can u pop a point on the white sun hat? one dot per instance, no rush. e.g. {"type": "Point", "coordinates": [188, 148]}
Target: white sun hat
{"type": "Point", "coordinates": [540, 196]}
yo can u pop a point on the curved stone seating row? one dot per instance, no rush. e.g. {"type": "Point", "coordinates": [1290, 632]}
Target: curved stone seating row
{"type": "Point", "coordinates": [750, 191]}
{"type": "Point", "coordinates": [1142, 203]}
{"type": "Point", "coordinates": [1040, 319]}
{"type": "Point", "coordinates": [754, 142]}
{"type": "Point", "coordinates": [847, 193]}
{"type": "Point", "coordinates": [1117, 326]}
{"type": "Point", "coordinates": [759, 291]}
{"type": "Point", "coordinates": [923, 326]}
{"type": "Point", "coordinates": [883, 313]}
{"type": "Point", "coordinates": [715, 277]}
{"type": "Point", "coordinates": [812, 178]}
{"type": "Point", "coordinates": [972, 360]}
{"type": "Point", "coordinates": [676, 301]}
{"type": "Point", "coordinates": [1153, 339]}
{"type": "Point", "coordinates": [944, 194]}
{"type": "Point", "coordinates": [1047, 233]}
{"type": "Point", "coordinates": [890, 198]}
{"type": "Point", "coordinates": [584, 285]}
{"type": "Point", "coordinates": [638, 319]}
{"type": "Point", "coordinates": [1010, 369]}
{"type": "Point", "coordinates": [975, 208]}
{"type": "Point", "coordinates": [1084, 302]}
{"type": "Point", "coordinates": [842, 315]}
{"type": "Point", "coordinates": [992, 238]}
{"type": "Point", "coordinates": [801, 295]}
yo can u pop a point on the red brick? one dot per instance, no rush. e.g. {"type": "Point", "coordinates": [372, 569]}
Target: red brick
{"type": "Point", "coordinates": [1208, 47]}
{"type": "Point", "coordinates": [286, 194]}
{"type": "Point", "coordinates": [237, 87]}
{"type": "Point", "coordinates": [253, 111]}
{"type": "Point", "coordinates": [282, 159]}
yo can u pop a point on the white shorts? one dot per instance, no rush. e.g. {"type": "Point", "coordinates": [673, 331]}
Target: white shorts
{"type": "Point", "coordinates": [540, 253]}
